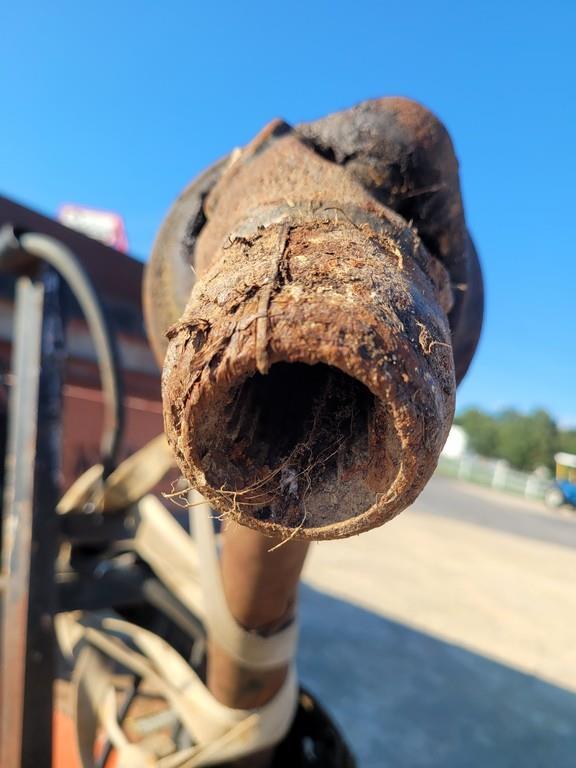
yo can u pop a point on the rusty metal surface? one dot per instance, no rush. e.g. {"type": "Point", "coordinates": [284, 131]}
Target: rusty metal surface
{"type": "Point", "coordinates": [17, 524]}
{"type": "Point", "coordinates": [403, 156]}
{"type": "Point", "coordinates": [168, 281]}
{"type": "Point", "coordinates": [309, 385]}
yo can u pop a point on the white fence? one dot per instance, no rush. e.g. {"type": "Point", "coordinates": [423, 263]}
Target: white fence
{"type": "Point", "coordinates": [494, 473]}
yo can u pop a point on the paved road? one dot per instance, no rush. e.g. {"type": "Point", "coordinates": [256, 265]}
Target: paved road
{"type": "Point", "coordinates": [447, 638]}
{"type": "Point", "coordinates": [492, 509]}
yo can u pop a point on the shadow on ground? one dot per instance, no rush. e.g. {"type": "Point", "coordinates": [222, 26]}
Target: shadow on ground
{"type": "Point", "coordinates": [405, 699]}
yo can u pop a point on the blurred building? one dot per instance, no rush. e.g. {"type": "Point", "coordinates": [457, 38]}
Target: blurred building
{"type": "Point", "coordinates": [106, 226]}
{"type": "Point", "coordinates": [457, 443]}
{"type": "Point", "coordinates": [117, 278]}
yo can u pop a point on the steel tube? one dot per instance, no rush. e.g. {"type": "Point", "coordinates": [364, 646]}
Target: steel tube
{"type": "Point", "coordinates": [18, 513]}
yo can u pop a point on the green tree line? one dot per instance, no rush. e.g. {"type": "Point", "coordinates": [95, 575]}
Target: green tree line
{"type": "Point", "coordinates": [526, 440]}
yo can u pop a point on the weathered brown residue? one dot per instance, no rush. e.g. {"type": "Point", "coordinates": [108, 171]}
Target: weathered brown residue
{"type": "Point", "coordinates": [309, 383]}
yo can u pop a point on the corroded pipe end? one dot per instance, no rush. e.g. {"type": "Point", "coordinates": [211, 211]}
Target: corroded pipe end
{"type": "Point", "coordinates": [309, 383]}
{"type": "Point", "coordinates": [309, 386]}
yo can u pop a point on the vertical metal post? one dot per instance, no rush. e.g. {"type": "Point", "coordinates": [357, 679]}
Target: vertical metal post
{"type": "Point", "coordinates": [31, 528]}
{"type": "Point", "coordinates": [42, 600]}
{"type": "Point", "coordinates": [18, 513]}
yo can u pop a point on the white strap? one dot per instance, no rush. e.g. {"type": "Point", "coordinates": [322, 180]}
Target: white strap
{"type": "Point", "coordinates": [190, 569]}
{"type": "Point", "coordinates": [221, 733]}
{"type": "Point", "coordinates": [171, 553]}
{"type": "Point", "coordinates": [128, 483]}
{"type": "Point", "coordinates": [247, 648]}
{"type": "Point", "coordinates": [192, 573]}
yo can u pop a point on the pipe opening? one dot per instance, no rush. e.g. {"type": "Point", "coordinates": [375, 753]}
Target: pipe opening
{"type": "Point", "coordinates": [283, 436]}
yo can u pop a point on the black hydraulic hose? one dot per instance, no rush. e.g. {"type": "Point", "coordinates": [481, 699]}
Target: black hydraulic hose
{"type": "Point", "coordinates": [63, 260]}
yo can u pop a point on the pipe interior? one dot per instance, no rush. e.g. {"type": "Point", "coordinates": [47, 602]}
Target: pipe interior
{"type": "Point", "coordinates": [305, 423]}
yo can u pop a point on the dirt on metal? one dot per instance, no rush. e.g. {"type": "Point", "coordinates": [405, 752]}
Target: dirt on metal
{"type": "Point", "coordinates": [309, 383]}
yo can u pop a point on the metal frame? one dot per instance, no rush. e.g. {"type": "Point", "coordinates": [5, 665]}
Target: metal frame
{"type": "Point", "coordinates": [18, 516]}
{"type": "Point", "coordinates": [42, 598]}
{"type": "Point", "coordinates": [30, 592]}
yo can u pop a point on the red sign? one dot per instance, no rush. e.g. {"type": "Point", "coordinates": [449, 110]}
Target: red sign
{"type": "Point", "coordinates": [106, 226]}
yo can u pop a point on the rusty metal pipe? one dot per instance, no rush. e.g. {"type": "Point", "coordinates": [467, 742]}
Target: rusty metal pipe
{"type": "Point", "coordinates": [315, 299]}
{"type": "Point", "coordinates": [309, 384]}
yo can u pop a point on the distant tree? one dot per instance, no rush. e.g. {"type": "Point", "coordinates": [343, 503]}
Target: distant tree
{"type": "Point", "coordinates": [567, 441]}
{"type": "Point", "coordinates": [527, 441]}
{"type": "Point", "coordinates": [482, 431]}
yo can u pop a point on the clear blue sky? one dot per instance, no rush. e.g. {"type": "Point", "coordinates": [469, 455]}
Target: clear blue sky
{"type": "Point", "coordinates": [118, 104]}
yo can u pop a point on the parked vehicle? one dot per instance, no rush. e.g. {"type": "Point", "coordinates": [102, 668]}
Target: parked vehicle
{"type": "Point", "coordinates": [564, 489]}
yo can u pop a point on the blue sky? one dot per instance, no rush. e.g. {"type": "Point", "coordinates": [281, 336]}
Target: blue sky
{"type": "Point", "coordinates": [118, 105]}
